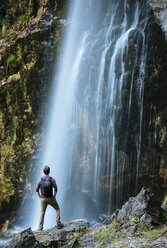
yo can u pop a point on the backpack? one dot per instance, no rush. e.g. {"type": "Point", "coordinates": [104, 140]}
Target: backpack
{"type": "Point", "coordinates": [46, 187]}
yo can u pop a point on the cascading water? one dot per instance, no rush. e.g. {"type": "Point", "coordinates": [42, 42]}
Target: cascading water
{"type": "Point", "coordinates": [99, 77]}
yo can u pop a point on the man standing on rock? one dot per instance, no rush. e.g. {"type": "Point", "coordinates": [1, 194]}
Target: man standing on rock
{"type": "Point", "coordinates": [46, 185]}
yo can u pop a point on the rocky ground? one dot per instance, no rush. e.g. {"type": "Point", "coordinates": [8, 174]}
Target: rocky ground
{"type": "Point", "coordinates": [132, 226]}
{"type": "Point", "coordinates": [78, 233]}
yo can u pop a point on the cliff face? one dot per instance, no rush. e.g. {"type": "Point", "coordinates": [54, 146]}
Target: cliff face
{"type": "Point", "coordinates": [30, 35]}
{"type": "Point", "coordinates": [154, 136]}
{"type": "Point", "coordinates": [159, 8]}
{"type": "Point", "coordinates": [29, 40]}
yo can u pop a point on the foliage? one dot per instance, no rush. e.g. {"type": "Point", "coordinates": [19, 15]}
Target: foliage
{"type": "Point", "coordinates": [26, 49]}
{"type": "Point", "coordinates": [11, 60]}
{"type": "Point", "coordinates": [34, 42]}
{"type": "Point", "coordinates": [136, 221]}
{"type": "Point", "coordinates": [12, 63]}
{"type": "Point", "coordinates": [7, 189]}
{"type": "Point", "coordinates": [115, 222]}
{"type": "Point", "coordinates": [14, 120]}
{"type": "Point", "coordinates": [24, 18]}
{"type": "Point", "coordinates": [8, 98]}
{"type": "Point", "coordinates": [164, 201]}
{"type": "Point", "coordinates": [9, 141]}
{"type": "Point", "coordinates": [1, 114]}
{"type": "Point", "coordinates": [4, 21]}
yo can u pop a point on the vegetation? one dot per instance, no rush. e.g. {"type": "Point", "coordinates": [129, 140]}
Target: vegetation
{"type": "Point", "coordinates": [103, 235]}
{"type": "Point", "coordinates": [11, 60]}
{"type": "Point", "coordinates": [23, 58]}
{"type": "Point", "coordinates": [165, 201]}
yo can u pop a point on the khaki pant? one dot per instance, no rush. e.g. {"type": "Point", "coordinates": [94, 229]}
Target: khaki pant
{"type": "Point", "coordinates": [44, 203]}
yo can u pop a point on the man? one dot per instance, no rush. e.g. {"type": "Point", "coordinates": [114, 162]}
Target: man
{"type": "Point", "coordinates": [46, 185]}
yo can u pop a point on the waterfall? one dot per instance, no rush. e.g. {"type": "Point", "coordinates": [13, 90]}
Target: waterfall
{"type": "Point", "coordinates": [99, 78]}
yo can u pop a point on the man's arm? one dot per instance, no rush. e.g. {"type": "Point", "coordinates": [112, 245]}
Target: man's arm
{"type": "Point", "coordinates": [55, 187]}
{"type": "Point", "coordinates": [37, 188]}
{"type": "Point", "coordinates": [55, 194]}
{"type": "Point", "coordinates": [38, 194]}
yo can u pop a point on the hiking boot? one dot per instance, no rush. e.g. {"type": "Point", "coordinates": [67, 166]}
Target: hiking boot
{"type": "Point", "coordinates": [39, 229]}
{"type": "Point", "coordinates": [60, 225]}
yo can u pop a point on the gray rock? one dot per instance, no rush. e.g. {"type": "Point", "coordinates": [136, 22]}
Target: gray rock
{"type": "Point", "coordinates": [138, 212]}
{"type": "Point", "coordinates": [24, 239]}
{"type": "Point", "coordinates": [159, 8]}
{"type": "Point", "coordinates": [108, 220]}
{"type": "Point", "coordinates": [145, 220]}
{"type": "Point", "coordinates": [71, 244]}
{"type": "Point", "coordinates": [135, 207]}
{"type": "Point", "coordinates": [65, 237]}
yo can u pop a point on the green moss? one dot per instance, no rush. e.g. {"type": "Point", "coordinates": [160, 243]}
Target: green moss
{"type": "Point", "coordinates": [102, 236]}
{"type": "Point", "coordinates": [154, 234]}
{"type": "Point", "coordinates": [18, 59]}
{"type": "Point", "coordinates": [11, 63]}
{"type": "Point", "coordinates": [146, 228]}
{"type": "Point", "coordinates": [10, 109]}
{"type": "Point", "coordinates": [24, 18]}
{"type": "Point", "coordinates": [164, 202]}
{"type": "Point", "coordinates": [31, 4]}
{"type": "Point", "coordinates": [26, 97]}
{"type": "Point", "coordinates": [8, 99]}
{"type": "Point", "coordinates": [116, 240]}
{"type": "Point", "coordinates": [13, 26]}
{"type": "Point", "coordinates": [4, 21]}
{"type": "Point", "coordinates": [25, 49]}
{"type": "Point", "coordinates": [7, 188]}
{"type": "Point", "coordinates": [1, 114]}
{"type": "Point", "coordinates": [136, 221]}
{"type": "Point", "coordinates": [9, 141]}
{"type": "Point", "coordinates": [33, 42]}
{"type": "Point", "coordinates": [48, 245]}
{"type": "Point", "coordinates": [14, 120]}
{"type": "Point", "coordinates": [11, 59]}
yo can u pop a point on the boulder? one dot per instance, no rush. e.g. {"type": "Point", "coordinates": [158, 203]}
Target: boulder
{"type": "Point", "coordinates": [24, 239]}
{"type": "Point", "coordinates": [139, 211]}
{"type": "Point", "coordinates": [66, 237]}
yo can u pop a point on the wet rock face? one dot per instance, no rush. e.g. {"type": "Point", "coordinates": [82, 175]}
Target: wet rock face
{"type": "Point", "coordinates": [152, 169]}
{"type": "Point", "coordinates": [159, 8]}
{"type": "Point", "coordinates": [28, 46]}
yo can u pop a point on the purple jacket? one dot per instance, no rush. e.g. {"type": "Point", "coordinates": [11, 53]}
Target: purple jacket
{"type": "Point", "coordinates": [46, 178]}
